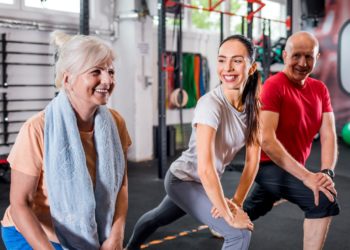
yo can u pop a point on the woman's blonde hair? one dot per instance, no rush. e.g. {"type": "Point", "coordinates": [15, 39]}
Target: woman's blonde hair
{"type": "Point", "coordinates": [76, 54]}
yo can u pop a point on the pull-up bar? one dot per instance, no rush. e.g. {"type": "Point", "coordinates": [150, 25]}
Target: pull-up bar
{"type": "Point", "coordinates": [212, 8]}
{"type": "Point", "coordinates": [252, 13]}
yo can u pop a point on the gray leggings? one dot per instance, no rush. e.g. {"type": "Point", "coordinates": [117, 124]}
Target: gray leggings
{"type": "Point", "coordinates": [186, 197]}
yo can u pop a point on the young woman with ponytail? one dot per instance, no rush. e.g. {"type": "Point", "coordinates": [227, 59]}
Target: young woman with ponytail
{"type": "Point", "coordinates": [225, 120]}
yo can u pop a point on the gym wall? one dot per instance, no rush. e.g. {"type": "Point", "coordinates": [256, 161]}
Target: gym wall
{"type": "Point", "coordinates": [333, 33]}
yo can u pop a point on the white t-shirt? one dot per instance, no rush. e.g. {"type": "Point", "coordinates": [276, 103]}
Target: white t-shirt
{"type": "Point", "coordinates": [214, 110]}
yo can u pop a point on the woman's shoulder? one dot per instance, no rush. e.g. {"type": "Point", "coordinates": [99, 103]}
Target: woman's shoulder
{"type": "Point", "coordinates": [36, 122]}
{"type": "Point", "coordinates": [122, 129]}
{"type": "Point", "coordinates": [213, 97]}
{"type": "Point", "coordinates": [117, 117]}
{"type": "Point", "coordinates": [209, 106]}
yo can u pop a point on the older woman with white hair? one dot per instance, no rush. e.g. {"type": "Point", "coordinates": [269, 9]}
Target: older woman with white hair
{"type": "Point", "coordinates": [68, 178]}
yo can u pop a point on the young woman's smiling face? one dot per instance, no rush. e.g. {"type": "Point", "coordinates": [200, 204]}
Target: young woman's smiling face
{"type": "Point", "coordinates": [233, 65]}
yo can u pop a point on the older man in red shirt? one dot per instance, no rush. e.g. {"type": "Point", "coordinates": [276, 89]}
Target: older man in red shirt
{"type": "Point", "coordinates": [295, 107]}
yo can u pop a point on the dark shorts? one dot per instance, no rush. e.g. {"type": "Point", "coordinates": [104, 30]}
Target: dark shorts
{"type": "Point", "coordinates": [273, 183]}
{"type": "Point", "coordinates": [14, 240]}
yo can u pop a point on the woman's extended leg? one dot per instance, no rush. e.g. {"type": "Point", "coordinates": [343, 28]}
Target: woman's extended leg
{"type": "Point", "coordinates": [165, 213]}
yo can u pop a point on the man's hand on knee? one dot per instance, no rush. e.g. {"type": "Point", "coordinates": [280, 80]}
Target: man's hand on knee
{"type": "Point", "coordinates": [319, 182]}
{"type": "Point", "coordinates": [327, 182]}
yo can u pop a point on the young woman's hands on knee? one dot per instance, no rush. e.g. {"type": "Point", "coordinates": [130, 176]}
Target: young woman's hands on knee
{"type": "Point", "coordinates": [237, 219]}
{"type": "Point", "coordinates": [232, 206]}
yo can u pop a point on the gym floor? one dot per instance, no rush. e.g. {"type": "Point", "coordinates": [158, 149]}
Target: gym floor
{"type": "Point", "coordinates": [280, 229]}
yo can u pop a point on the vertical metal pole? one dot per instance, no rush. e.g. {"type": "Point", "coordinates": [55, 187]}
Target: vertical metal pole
{"type": "Point", "coordinates": [243, 26]}
{"type": "Point", "coordinates": [290, 16]}
{"type": "Point", "coordinates": [4, 85]}
{"type": "Point", "coordinates": [162, 140]}
{"type": "Point", "coordinates": [267, 48]}
{"type": "Point", "coordinates": [179, 47]}
{"type": "Point", "coordinates": [221, 27]}
{"type": "Point", "coordinates": [3, 60]}
{"type": "Point", "coordinates": [5, 118]}
{"type": "Point", "coordinates": [180, 72]}
{"type": "Point", "coordinates": [250, 23]}
{"type": "Point", "coordinates": [84, 17]}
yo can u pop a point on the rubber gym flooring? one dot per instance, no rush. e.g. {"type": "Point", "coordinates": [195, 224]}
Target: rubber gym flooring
{"type": "Point", "coordinates": [279, 229]}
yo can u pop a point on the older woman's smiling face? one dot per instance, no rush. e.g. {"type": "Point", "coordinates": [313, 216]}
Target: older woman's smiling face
{"type": "Point", "coordinates": [92, 87]}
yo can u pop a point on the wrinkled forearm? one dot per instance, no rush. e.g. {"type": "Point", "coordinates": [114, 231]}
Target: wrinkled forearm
{"type": "Point", "coordinates": [29, 226]}
{"type": "Point", "coordinates": [279, 155]}
{"type": "Point", "coordinates": [121, 210]}
{"type": "Point", "coordinates": [329, 151]}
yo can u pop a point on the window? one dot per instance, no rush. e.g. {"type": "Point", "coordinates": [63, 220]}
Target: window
{"type": "Point", "coordinates": [7, 1]}
{"type": "Point", "coordinates": [275, 11]}
{"type": "Point", "coordinates": [202, 19]}
{"type": "Point", "coordinates": [238, 7]}
{"type": "Point", "coordinates": [72, 6]}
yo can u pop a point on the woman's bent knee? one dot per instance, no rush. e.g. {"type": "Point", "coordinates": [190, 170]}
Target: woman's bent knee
{"type": "Point", "coordinates": [237, 240]}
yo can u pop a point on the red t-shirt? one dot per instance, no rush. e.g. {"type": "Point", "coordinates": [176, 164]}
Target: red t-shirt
{"type": "Point", "coordinates": [300, 111]}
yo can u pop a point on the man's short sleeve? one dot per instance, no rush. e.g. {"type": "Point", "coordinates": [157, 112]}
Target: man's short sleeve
{"type": "Point", "coordinates": [326, 101]}
{"type": "Point", "coordinates": [270, 96]}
